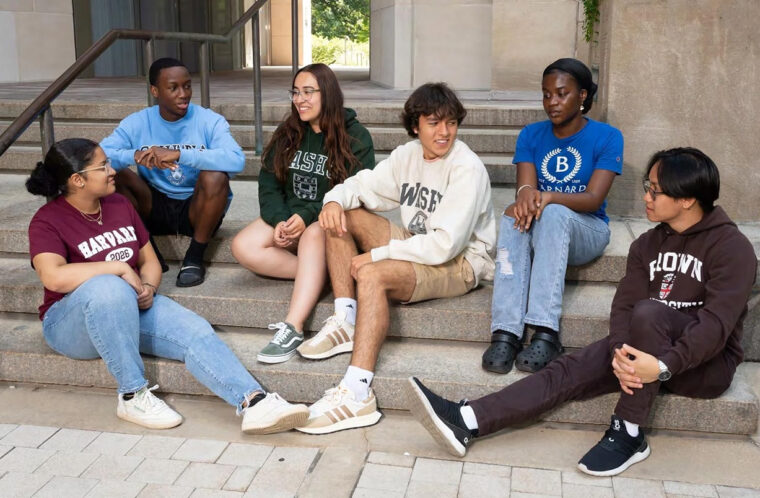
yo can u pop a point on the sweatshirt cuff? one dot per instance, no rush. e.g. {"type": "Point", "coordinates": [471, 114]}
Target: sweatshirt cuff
{"type": "Point", "coordinates": [673, 362]}
{"type": "Point", "coordinates": [381, 253]}
{"type": "Point", "coordinates": [126, 158]}
{"type": "Point", "coordinates": [188, 157]}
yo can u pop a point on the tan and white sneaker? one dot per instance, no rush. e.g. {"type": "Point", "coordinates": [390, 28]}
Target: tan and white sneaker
{"type": "Point", "coordinates": [338, 410]}
{"type": "Point", "coordinates": [336, 336]}
{"type": "Point", "coordinates": [273, 414]}
{"type": "Point", "coordinates": [145, 409]}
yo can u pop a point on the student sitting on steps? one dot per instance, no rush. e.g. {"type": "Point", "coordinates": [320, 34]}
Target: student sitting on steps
{"type": "Point", "coordinates": [318, 146]}
{"type": "Point", "coordinates": [91, 252]}
{"type": "Point", "coordinates": [675, 324]}
{"type": "Point", "coordinates": [443, 249]}
{"type": "Point", "coordinates": [565, 167]}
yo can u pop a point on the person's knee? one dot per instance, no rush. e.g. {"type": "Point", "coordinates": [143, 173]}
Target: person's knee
{"type": "Point", "coordinates": [370, 276]}
{"type": "Point", "coordinates": [313, 235]}
{"type": "Point", "coordinates": [645, 320]}
{"type": "Point", "coordinates": [106, 290]}
{"type": "Point", "coordinates": [246, 251]}
{"type": "Point", "coordinates": [214, 182]}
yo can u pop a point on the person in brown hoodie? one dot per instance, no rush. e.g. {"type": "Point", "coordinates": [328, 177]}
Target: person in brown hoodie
{"type": "Point", "coordinates": [675, 323]}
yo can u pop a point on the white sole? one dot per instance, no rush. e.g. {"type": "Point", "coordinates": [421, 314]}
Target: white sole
{"type": "Point", "coordinates": [275, 359]}
{"type": "Point", "coordinates": [349, 423]}
{"type": "Point", "coordinates": [636, 458]}
{"type": "Point", "coordinates": [285, 423]}
{"type": "Point", "coordinates": [346, 347]}
{"type": "Point", "coordinates": [424, 413]}
{"type": "Point", "coordinates": [149, 425]}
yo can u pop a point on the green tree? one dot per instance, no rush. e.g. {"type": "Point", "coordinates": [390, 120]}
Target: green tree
{"type": "Point", "coordinates": [341, 19]}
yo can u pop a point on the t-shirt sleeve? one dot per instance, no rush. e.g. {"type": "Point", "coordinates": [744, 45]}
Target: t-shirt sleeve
{"type": "Point", "coordinates": [524, 147]}
{"type": "Point", "coordinates": [43, 237]}
{"type": "Point", "coordinates": [610, 155]}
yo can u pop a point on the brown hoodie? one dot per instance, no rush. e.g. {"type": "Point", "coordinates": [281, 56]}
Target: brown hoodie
{"type": "Point", "coordinates": [706, 271]}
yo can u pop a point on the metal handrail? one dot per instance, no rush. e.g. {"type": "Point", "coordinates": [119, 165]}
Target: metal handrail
{"type": "Point", "coordinates": [40, 107]}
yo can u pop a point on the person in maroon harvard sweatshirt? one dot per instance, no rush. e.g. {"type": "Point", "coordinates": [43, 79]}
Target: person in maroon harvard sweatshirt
{"type": "Point", "coordinates": [676, 323]}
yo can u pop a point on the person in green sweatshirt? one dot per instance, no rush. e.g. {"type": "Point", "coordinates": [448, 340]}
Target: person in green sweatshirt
{"type": "Point", "coordinates": [318, 145]}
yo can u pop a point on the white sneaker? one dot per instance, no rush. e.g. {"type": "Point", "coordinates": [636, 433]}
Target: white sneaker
{"type": "Point", "coordinates": [147, 410]}
{"type": "Point", "coordinates": [273, 414]}
{"type": "Point", "coordinates": [336, 336]}
{"type": "Point", "coordinates": [338, 410]}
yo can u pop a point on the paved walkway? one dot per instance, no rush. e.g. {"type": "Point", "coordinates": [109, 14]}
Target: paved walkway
{"type": "Point", "coordinates": [66, 442]}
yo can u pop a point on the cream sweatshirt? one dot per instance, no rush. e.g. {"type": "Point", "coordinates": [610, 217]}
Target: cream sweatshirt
{"type": "Point", "coordinates": [445, 204]}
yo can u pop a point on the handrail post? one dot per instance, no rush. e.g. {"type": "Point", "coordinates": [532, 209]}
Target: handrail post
{"type": "Point", "coordinates": [294, 29]}
{"type": "Point", "coordinates": [148, 60]}
{"type": "Point", "coordinates": [256, 49]}
{"type": "Point", "coordinates": [47, 135]}
{"type": "Point", "coordinates": [204, 63]}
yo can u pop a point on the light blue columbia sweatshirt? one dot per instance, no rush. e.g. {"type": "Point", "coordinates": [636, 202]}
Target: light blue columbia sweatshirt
{"type": "Point", "coordinates": [202, 137]}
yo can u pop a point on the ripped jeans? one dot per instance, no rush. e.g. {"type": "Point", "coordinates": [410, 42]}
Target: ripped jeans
{"type": "Point", "coordinates": [530, 292]}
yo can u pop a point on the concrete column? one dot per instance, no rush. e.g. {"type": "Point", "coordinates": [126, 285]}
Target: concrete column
{"type": "Point", "coordinates": [36, 39]}
{"type": "Point", "coordinates": [281, 32]}
{"type": "Point", "coordinates": [684, 73]}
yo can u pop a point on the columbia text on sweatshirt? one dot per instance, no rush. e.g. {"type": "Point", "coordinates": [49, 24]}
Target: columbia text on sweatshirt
{"type": "Point", "coordinates": [308, 180]}
{"type": "Point", "coordinates": [202, 137]}
{"type": "Point", "coordinates": [706, 271]}
{"type": "Point", "coordinates": [445, 204]}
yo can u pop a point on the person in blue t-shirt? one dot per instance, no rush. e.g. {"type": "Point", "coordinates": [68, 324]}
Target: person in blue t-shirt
{"type": "Point", "coordinates": [185, 157]}
{"type": "Point", "coordinates": [565, 167]}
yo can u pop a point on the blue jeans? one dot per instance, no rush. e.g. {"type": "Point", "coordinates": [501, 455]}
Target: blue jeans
{"type": "Point", "coordinates": [100, 319]}
{"type": "Point", "coordinates": [530, 292]}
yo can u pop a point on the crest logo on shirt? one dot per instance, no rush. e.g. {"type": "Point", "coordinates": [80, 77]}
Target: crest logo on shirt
{"type": "Point", "coordinates": [417, 225]}
{"type": "Point", "coordinates": [176, 177]}
{"type": "Point", "coordinates": [667, 285]}
{"type": "Point", "coordinates": [557, 167]}
{"type": "Point", "coordinates": [305, 187]}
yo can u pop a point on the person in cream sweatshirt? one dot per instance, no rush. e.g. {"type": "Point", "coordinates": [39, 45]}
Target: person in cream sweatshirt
{"type": "Point", "coordinates": [443, 249]}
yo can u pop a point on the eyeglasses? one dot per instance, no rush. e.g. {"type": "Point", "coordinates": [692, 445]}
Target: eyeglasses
{"type": "Point", "coordinates": [649, 189]}
{"type": "Point", "coordinates": [104, 167]}
{"type": "Point", "coordinates": [306, 94]}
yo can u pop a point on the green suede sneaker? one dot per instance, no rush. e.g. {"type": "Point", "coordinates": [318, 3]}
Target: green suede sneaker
{"type": "Point", "coordinates": [283, 345]}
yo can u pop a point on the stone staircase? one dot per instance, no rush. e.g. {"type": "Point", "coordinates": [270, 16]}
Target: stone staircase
{"type": "Point", "coordinates": [440, 341]}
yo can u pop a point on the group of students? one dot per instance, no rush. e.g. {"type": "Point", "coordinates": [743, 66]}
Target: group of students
{"type": "Point", "coordinates": [676, 319]}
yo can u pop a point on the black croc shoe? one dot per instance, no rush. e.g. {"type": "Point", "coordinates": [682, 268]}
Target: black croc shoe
{"type": "Point", "coordinates": [500, 355]}
{"type": "Point", "coordinates": [544, 347]}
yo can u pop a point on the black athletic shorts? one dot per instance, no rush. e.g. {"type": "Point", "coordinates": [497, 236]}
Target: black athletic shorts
{"type": "Point", "coordinates": [171, 216]}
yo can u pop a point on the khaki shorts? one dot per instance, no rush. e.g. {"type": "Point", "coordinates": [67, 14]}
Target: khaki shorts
{"type": "Point", "coordinates": [450, 279]}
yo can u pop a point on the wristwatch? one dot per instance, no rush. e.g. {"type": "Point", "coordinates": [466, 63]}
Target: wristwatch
{"type": "Point", "coordinates": [664, 372]}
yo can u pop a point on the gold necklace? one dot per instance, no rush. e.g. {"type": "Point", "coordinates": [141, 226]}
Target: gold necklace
{"type": "Point", "coordinates": [97, 219]}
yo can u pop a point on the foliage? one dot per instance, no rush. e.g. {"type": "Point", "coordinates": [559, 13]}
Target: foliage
{"type": "Point", "coordinates": [591, 17]}
{"type": "Point", "coordinates": [325, 51]}
{"type": "Point", "coordinates": [341, 19]}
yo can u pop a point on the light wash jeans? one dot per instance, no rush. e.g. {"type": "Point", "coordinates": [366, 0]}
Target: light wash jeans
{"type": "Point", "coordinates": [526, 292]}
{"type": "Point", "coordinates": [100, 319]}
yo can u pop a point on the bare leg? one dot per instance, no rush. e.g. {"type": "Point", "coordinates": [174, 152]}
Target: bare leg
{"type": "Point", "coordinates": [376, 284]}
{"type": "Point", "coordinates": [310, 276]}
{"type": "Point", "coordinates": [134, 188]}
{"type": "Point", "coordinates": [254, 248]}
{"type": "Point", "coordinates": [209, 201]}
{"type": "Point", "coordinates": [365, 231]}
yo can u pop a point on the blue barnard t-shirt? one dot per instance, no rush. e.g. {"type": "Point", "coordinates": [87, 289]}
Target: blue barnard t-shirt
{"type": "Point", "coordinates": [566, 164]}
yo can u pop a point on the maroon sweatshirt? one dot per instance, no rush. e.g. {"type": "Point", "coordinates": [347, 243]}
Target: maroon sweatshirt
{"type": "Point", "coordinates": [706, 271]}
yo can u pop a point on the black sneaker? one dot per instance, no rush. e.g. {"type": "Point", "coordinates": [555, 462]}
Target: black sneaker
{"type": "Point", "coordinates": [440, 417]}
{"type": "Point", "coordinates": [615, 452]}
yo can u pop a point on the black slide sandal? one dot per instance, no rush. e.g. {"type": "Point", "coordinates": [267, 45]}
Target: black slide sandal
{"type": "Point", "coordinates": [191, 275]}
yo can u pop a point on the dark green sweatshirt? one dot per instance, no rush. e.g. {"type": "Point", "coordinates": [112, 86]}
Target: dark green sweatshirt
{"type": "Point", "coordinates": [307, 181]}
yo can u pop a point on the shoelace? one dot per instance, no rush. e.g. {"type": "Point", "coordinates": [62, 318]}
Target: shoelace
{"type": "Point", "coordinates": [282, 332]}
{"type": "Point", "coordinates": [150, 400]}
{"type": "Point", "coordinates": [333, 396]}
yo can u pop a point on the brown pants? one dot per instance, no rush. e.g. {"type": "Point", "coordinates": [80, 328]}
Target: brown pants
{"type": "Point", "coordinates": [588, 373]}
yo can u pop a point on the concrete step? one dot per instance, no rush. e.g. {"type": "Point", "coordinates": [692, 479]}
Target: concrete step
{"type": "Point", "coordinates": [385, 138]}
{"type": "Point", "coordinates": [23, 158]}
{"type": "Point", "coordinates": [233, 296]}
{"type": "Point", "coordinates": [487, 114]}
{"type": "Point", "coordinates": [450, 368]}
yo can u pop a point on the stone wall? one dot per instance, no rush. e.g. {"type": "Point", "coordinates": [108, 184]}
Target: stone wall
{"type": "Point", "coordinates": [36, 39]}
{"type": "Point", "coordinates": [684, 73]}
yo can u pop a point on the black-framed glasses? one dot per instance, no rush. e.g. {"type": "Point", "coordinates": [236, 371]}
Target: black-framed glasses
{"type": "Point", "coordinates": [306, 93]}
{"type": "Point", "coordinates": [649, 189]}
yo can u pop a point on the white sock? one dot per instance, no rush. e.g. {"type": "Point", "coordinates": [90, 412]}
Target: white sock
{"type": "Point", "coordinates": [347, 306]}
{"type": "Point", "coordinates": [357, 380]}
{"type": "Point", "coordinates": [631, 429]}
{"type": "Point", "coordinates": [468, 415]}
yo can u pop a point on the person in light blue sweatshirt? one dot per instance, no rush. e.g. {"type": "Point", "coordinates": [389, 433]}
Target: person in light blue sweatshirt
{"type": "Point", "coordinates": [185, 157]}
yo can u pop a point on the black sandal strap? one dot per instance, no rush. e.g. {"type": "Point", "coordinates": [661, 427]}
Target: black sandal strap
{"type": "Point", "coordinates": [506, 337]}
{"type": "Point", "coordinates": [552, 339]}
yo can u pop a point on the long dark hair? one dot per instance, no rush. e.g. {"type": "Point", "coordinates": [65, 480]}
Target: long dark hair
{"type": "Point", "coordinates": [580, 73]}
{"type": "Point", "coordinates": [66, 157]}
{"type": "Point", "coordinates": [287, 138]}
